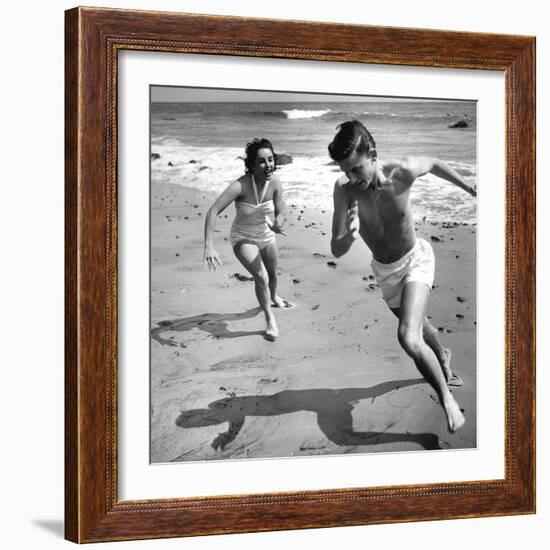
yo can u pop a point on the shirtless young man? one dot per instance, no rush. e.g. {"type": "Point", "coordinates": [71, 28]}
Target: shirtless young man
{"type": "Point", "coordinates": [372, 200]}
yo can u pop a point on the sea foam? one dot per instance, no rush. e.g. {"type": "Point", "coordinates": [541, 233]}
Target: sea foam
{"type": "Point", "coordinates": [298, 113]}
{"type": "Point", "coordinates": [308, 181]}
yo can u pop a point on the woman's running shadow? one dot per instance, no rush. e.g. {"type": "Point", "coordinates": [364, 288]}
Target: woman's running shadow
{"type": "Point", "coordinates": [213, 323]}
{"type": "Point", "coordinates": [333, 409]}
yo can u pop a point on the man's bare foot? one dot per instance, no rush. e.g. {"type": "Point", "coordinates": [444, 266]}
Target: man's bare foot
{"type": "Point", "coordinates": [455, 418]}
{"type": "Point", "coordinates": [279, 302]}
{"type": "Point", "coordinates": [271, 331]}
{"type": "Point", "coordinates": [452, 378]}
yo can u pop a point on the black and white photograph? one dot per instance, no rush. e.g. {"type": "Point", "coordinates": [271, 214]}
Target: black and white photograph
{"type": "Point", "coordinates": [220, 358]}
{"type": "Point", "coordinates": [313, 274]}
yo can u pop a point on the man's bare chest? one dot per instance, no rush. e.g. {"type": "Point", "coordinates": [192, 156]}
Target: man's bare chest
{"type": "Point", "coordinates": [382, 208]}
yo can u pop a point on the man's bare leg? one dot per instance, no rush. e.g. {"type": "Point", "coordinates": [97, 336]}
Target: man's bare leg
{"type": "Point", "coordinates": [414, 301]}
{"type": "Point", "coordinates": [442, 353]}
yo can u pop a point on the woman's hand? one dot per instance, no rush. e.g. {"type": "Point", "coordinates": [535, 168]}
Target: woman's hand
{"type": "Point", "coordinates": [211, 259]}
{"type": "Point", "coordinates": [277, 226]}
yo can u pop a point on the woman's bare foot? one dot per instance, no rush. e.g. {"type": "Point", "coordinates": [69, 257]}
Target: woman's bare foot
{"type": "Point", "coordinates": [455, 418]}
{"type": "Point", "coordinates": [452, 378]}
{"type": "Point", "coordinates": [277, 301]}
{"type": "Point", "coordinates": [271, 331]}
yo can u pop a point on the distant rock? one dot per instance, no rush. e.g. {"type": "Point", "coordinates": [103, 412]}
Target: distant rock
{"type": "Point", "coordinates": [282, 158]}
{"type": "Point", "coordinates": [459, 124]}
{"type": "Point", "coordinates": [155, 156]}
{"type": "Point", "coordinates": [241, 277]}
{"type": "Point", "coordinates": [170, 163]}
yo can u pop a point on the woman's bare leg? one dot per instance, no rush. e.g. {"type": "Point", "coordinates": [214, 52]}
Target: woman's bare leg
{"type": "Point", "coordinates": [270, 255]}
{"type": "Point", "coordinates": [249, 256]}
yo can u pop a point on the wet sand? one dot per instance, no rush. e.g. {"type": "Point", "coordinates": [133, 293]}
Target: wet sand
{"type": "Point", "coordinates": [334, 382]}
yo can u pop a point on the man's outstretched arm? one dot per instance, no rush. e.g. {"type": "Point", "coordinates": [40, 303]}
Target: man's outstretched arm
{"type": "Point", "coordinates": [413, 168]}
{"type": "Point", "coordinates": [443, 170]}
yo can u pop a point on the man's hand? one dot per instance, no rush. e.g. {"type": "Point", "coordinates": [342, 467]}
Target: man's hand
{"type": "Point", "coordinates": [352, 221]}
{"type": "Point", "coordinates": [345, 220]}
{"type": "Point", "coordinates": [211, 259]}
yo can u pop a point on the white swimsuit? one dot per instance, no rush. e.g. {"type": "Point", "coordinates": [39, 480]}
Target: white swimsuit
{"type": "Point", "coordinates": [252, 221]}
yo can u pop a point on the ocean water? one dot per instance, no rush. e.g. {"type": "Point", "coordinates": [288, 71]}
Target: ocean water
{"type": "Point", "coordinates": [201, 145]}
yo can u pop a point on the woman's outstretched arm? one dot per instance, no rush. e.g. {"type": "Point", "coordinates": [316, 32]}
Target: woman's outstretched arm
{"type": "Point", "coordinates": [211, 258]}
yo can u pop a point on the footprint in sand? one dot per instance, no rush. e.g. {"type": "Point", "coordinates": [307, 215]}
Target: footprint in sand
{"type": "Point", "coordinates": [401, 399]}
{"type": "Point", "coordinates": [268, 380]}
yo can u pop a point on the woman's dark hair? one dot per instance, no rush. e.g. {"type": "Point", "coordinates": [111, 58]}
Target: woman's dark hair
{"type": "Point", "coordinates": [350, 136]}
{"type": "Point", "coordinates": [252, 149]}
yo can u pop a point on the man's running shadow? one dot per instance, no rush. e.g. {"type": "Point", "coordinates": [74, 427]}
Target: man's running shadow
{"type": "Point", "coordinates": [333, 409]}
{"type": "Point", "coordinates": [213, 323]}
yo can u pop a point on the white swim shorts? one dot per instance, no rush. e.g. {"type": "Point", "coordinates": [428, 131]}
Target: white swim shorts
{"type": "Point", "coordinates": [418, 264]}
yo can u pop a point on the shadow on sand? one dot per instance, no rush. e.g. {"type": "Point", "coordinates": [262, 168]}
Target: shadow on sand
{"type": "Point", "coordinates": [333, 409]}
{"type": "Point", "coordinates": [214, 324]}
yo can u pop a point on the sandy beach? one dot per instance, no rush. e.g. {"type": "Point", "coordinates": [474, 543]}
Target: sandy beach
{"type": "Point", "coordinates": [335, 382]}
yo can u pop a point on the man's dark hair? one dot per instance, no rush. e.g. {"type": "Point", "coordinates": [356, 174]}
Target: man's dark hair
{"type": "Point", "coordinates": [252, 149]}
{"type": "Point", "coordinates": [351, 136]}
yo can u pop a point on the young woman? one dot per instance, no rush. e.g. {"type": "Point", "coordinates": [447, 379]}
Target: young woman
{"type": "Point", "coordinates": [258, 198]}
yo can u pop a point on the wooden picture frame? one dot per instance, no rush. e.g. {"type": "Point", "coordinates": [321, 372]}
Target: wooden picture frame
{"type": "Point", "coordinates": [93, 511]}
